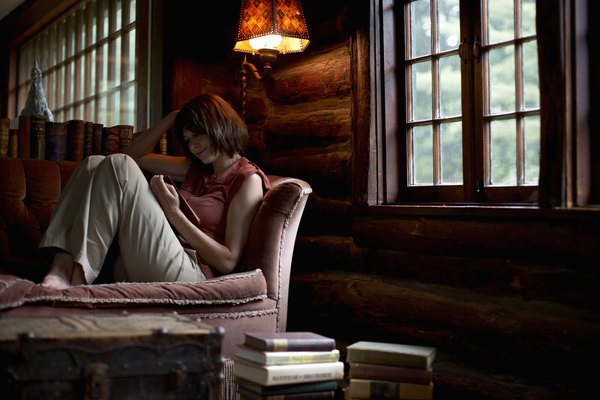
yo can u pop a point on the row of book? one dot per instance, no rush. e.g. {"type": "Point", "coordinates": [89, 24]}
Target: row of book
{"type": "Point", "coordinates": [298, 365]}
{"type": "Point", "coordinates": [306, 365]}
{"type": "Point", "coordinates": [389, 371]}
{"type": "Point", "coordinates": [71, 140]}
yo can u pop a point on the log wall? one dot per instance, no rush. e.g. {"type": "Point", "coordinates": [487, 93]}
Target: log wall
{"type": "Point", "coordinates": [509, 298]}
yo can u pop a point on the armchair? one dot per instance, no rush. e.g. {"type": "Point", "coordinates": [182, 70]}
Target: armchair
{"type": "Point", "coordinates": [255, 297]}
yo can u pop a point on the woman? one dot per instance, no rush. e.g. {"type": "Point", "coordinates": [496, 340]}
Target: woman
{"type": "Point", "coordinates": [109, 198]}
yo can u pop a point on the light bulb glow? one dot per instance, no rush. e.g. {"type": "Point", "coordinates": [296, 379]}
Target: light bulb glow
{"type": "Point", "coordinates": [265, 42]}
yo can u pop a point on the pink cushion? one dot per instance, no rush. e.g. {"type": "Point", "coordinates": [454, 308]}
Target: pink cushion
{"type": "Point", "coordinates": [237, 288]}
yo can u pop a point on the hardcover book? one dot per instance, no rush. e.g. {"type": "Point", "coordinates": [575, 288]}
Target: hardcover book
{"type": "Point", "coordinates": [125, 137]}
{"type": "Point", "coordinates": [289, 341]}
{"type": "Point", "coordinates": [24, 137]}
{"type": "Point", "coordinates": [286, 389]}
{"type": "Point", "coordinates": [389, 373]}
{"type": "Point", "coordinates": [403, 355]}
{"type": "Point", "coordinates": [368, 389]}
{"type": "Point", "coordinates": [248, 395]}
{"type": "Point", "coordinates": [13, 142]}
{"type": "Point", "coordinates": [97, 139]}
{"type": "Point", "coordinates": [75, 140]}
{"type": "Point", "coordinates": [56, 141]}
{"type": "Point", "coordinates": [269, 375]}
{"type": "Point", "coordinates": [37, 129]}
{"type": "Point", "coordinates": [88, 139]}
{"type": "Point", "coordinates": [4, 136]}
{"type": "Point", "coordinates": [287, 357]}
{"type": "Point", "coordinates": [111, 143]}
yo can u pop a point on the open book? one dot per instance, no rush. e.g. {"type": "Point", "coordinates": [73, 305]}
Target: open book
{"type": "Point", "coordinates": [184, 205]}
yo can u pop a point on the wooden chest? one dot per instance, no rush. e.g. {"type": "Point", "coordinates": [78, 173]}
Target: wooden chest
{"type": "Point", "coordinates": [142, 356]}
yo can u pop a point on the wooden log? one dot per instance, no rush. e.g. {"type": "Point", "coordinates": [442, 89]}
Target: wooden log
{"type": "Point", "coordinates": [324, 74]}
{"type": "Point", "coordinates": [327, 169]}
{"type": "Point", "coordinates": [483, 275]}
{"type": "Point", "coordinates": [544, 241]}
{"type": "Point", "coordinates": [327, 216]}
{"type": "Point", "coordinates": [318, 123]}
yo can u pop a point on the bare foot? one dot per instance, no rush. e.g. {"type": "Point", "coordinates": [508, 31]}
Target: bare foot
{"type": "Point", "coordinates": [60, 273]}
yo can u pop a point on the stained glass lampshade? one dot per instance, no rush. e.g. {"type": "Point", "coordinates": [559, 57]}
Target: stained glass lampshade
{"type": "Point", "coordinates": [271, 27]}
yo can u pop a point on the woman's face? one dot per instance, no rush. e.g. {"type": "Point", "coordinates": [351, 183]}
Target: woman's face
{"type": "Point", "coordinates": [200, 147]}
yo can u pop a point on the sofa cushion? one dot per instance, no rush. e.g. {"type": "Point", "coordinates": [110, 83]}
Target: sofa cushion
{"type": "Point", "coordinates": [237, 288]}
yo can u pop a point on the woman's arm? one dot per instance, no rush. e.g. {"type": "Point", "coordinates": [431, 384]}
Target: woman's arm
{"type": "Point", "coordinates": [142, 151]}
{"type": "Point", "coordinates": [223, 257]}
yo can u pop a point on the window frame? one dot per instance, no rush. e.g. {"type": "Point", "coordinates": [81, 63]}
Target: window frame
{"type": "Point", "coordinates": [20, 29]}
{"type": "Point", "coordinates": [560, 186]}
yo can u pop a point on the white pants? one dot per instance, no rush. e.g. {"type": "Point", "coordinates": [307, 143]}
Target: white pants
{"type": "Point", "coordinates": [109, 198]}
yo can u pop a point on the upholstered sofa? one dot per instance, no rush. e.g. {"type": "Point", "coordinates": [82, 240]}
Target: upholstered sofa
{"type": "Point", "coordinates": [254, 297]}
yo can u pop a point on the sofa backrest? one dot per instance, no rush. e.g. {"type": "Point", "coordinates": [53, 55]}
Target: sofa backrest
{"type": "Point", "coordinates": [29, 190]}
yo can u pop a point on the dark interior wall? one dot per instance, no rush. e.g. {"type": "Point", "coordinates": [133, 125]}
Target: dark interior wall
{"type": "Point", "coordinates": [498, 294]}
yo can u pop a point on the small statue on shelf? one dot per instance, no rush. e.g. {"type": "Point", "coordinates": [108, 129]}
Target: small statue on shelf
{"type": "Point", "coordinates": [36, 99]}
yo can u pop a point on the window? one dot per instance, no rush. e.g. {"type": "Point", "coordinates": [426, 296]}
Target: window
{"type": "Point", "coordinates": [467, 98]}
{"type": "Point", "coordinates": [90, 67]}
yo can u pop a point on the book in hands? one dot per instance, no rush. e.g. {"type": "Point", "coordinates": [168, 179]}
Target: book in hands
{"type": "Point", "coordinates": [287, 357]}
{"type": "Point", "coordinates": [288, 341]}
{"type": "Point", "coordinates": [403, 355]}
{"type": "Point", "coordinates": [183, 204]}
{"type": "Point", "coordinates": [270, 375]}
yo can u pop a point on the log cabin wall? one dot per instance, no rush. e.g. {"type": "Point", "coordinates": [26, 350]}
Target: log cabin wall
{"type": "Point", "coordinates": [508, 298]}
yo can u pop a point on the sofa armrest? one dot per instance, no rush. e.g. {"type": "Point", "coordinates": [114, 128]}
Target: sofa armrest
{"type": "Point", "coordinates": [273, 235]}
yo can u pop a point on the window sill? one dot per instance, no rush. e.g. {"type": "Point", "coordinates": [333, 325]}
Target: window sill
{"type": "Point", "coordinates": [589, 214]}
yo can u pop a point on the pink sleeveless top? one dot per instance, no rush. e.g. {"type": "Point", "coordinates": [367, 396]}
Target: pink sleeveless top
{"type": "Point", "coordinates": [210, 196]}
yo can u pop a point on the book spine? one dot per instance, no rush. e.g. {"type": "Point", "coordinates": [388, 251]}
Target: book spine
{"type": "Point", "coordinates": [289, 374]}
{"type": "Point", "coordinates": [125, 137]}
{"type": "Point", "coordinates": [112, 140]}
{"type": "Point", "coordinates": [98, 139]}
{"type": "Point", "coordinates": [56, 141]}
{"type": "Point", "coordinates": [38, 137]}
{"type": "Point", "coordinates": [389, 373]}
{"type": "Point", "coordinates": [280, 344]}
{"type": "Point", "coordinates": [369, 389]}
{"type": "Point", "coordinates": [13, 142]}
{"type": "Point", "coordinates": [88, 139]}
{"type": "Point", "coordinates": [394, 359]}
{"type": "Point", "coordinates": [75, 140]}
{"type": "Point", "coordinates": [24, 138]}
{"type": "Point", "coordinates": [281, 358]}
{"type": "Point", "coordinates": [4, 136]}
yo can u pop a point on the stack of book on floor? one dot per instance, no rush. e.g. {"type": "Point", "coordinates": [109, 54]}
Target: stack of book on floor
{"type": "Point", "coordinates": [294, 365]}
{"type": "Point", "coordinates": [389, 371]}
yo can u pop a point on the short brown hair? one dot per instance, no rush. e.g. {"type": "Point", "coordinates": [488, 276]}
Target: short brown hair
{"type": "Point", "coordinates": [208, 114]}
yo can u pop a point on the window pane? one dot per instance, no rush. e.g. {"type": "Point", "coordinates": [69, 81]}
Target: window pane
{"type": "Point", "coordinates": [420, 28]}
{"type": "Point", "coordinates": [448, 24]}
{"type": "Point", "coordinates": [449, 77]}
{"type": "Point", "coordinates": [531, 84]}
{"type": "Point", "coordinates": [132, 5]}
{"type": "Point", "coordinates": [503, 163]}
{"type": "Point", "coordinates": [422, 149]}
{"type": "Point", "coordinates": [501, 24]}
{"type": "Point", "coordinates": [421, 90]}
{"type": "Point", "coordinates": [532, 150]}
{"type": "Point", "coordinates": [528, 17]}
{"type": "Point", "coordinates": [451, 152]}
{"type": "Point", "coordinates": [502, 79]}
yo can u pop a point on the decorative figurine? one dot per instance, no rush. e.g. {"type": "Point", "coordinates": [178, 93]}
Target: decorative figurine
{"type": "Point", "coordinates": [36, 99]}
